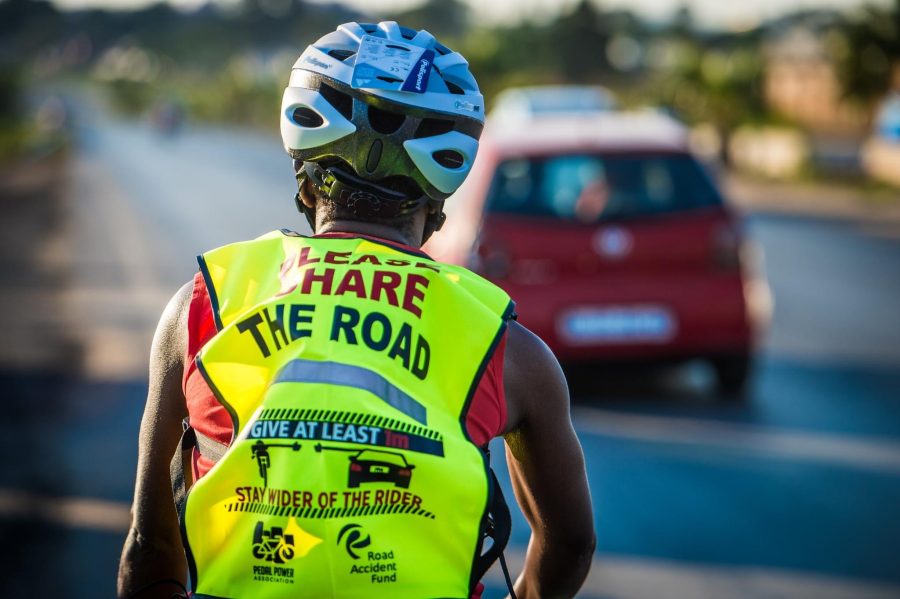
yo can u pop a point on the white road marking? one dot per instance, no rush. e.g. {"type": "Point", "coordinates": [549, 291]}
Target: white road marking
{"type": "Point", "coordinates": [71, 512]}
{"type": "Point", "coordinates": [639, 578]}
{"type": "Point", "coordinates": [826, 448]}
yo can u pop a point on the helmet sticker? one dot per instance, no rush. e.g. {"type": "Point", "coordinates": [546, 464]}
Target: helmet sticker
{"type": "Point", "coordinates": [463, 105]}
{"type": "Point", "coordinates": [392, 65]}
{"type": "Point", "coordinates": [316, 63]}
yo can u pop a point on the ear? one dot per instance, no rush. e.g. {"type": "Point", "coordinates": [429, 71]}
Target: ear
{"type": "Point", "coordinates": [306, 195]}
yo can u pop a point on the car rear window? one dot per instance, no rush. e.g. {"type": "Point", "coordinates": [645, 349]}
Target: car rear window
{"type": "Point", "coordinates": [590, 187]}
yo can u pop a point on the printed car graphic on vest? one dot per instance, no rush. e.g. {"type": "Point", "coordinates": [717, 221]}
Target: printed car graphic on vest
{"type": "Point", "coordinates": [379, 466]}
{"type": "Point", "coordinates": [371, 466]}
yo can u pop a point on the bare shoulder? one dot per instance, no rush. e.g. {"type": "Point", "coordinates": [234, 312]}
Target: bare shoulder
{"type": "Point", "coordinates": [165, 400]}
{"type": "Point", "coordinates": [153, 548]}
{"type": "Point", "coordinates": [170, 340]}
{"type": "Point", "coordinates": [165, 407]}
{"type": "Point", "coordinates": [532, 378]}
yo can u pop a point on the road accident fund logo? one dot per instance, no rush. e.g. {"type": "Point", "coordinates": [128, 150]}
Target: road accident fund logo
{"type": "Point", "coordinates": [355, 539]}
{"type": "Point", "coordinates": [378, 566]}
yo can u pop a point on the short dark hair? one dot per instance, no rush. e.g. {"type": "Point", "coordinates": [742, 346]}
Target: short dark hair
{"type": "Point", "coordinates": [328, 211]}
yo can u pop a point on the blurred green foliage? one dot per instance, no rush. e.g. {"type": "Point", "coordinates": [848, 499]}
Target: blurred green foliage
{"type": "Point", "coordinates": [698, 75]}
{"type": "Point", "coordinates": [12, 134]}
{"type": "Point", "coordinates": [230, 61]}
{"type": "Point", "coordinates": [131, 97]}
{"type": "Point", "coordinates": [870, 60]}
{"type": "Point", "coordinates": [36, 130]}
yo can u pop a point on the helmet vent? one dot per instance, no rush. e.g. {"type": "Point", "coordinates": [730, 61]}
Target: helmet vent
{"type": "Point", "coordinates": [454, 89]}
{"type": "Point", "coordinates": [384, 121]}
{"type": "Point", "coordinates": [430, 127]}
{"type": "Point", "coordinates": [449, 158]}
{"type": "Point", "coordinates": [341, 55]}
{"type": "Point", "coordinates": [342, 102]}
{"type": "Point", "coordinates": [374, 156]}
{"type": "Point", "coordinates": [307, 117]}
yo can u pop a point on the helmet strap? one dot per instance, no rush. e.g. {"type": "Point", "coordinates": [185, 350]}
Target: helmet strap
{"type": "Point", "coordinates": [309, 213]}
{"type": "Point", "coordinates": [361, 198]}
{"type": "Point", "coordinates": [434, 222]}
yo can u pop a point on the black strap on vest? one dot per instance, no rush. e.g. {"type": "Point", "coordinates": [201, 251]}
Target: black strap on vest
{"type": "Point", "coordinates": [180, 470]}
{"type": "Point", "coordinates": [169, 582]}
{"type": "Point", "coordinates": [497, 525]}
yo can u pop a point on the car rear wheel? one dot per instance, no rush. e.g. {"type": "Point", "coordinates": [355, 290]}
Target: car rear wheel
{"type": "Point", "coordinates": [732, 375]}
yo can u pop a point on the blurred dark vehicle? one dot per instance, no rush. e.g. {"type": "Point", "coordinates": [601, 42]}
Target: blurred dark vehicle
{"type": "Point", "coordinates": [887, 120]}
{"type": "Point", "coordinates": [167, 118]}
{"type": "Point", "coordinates": [880, 154]}
{"type": "Point", "coordinates": [613, 240]}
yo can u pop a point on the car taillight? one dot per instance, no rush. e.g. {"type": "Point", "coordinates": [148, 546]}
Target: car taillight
{"type": "Point", "coordinates": [726, 247]}
{"type": "Point", "coordinates": [403, 472]}
{"type": "Point", "coordinates": [355, 467]}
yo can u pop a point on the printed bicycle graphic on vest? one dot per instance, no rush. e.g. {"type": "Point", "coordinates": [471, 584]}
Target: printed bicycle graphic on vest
{"type": "Point", "coordinates": [272, 545]}
{"type": "Point", "coordinates": [372, 465]}
{"type": "Point", "coordinates": [261, 455]}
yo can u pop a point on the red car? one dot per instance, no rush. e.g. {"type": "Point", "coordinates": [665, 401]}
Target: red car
{"type": "Point", "coordinates": [613, 240]}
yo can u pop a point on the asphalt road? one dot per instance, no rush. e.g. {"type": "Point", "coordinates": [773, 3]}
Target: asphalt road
{"type": "Point", "coordinates": [791, 494]}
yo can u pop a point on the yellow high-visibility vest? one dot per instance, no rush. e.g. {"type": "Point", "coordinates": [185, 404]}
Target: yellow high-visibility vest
{"type": "Point", "coordinates": [347, 365]}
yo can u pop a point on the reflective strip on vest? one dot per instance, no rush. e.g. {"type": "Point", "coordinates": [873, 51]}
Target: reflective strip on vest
{"type": "Point", "coordinates": [333, 373]}
{"type": "Point", "coordinates": [347, 366]}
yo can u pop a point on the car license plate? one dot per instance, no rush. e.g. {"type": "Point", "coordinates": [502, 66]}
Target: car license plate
{"type": "Point", "coordinates": [618, 324]}
{"type": "Point", "coordinates": [379, 469]}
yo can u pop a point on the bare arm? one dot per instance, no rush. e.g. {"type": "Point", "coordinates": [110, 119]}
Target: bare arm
{"type": "Point", "coordinates": [153, 551]}
{"type": "Point", "coordinates": [546, 465]}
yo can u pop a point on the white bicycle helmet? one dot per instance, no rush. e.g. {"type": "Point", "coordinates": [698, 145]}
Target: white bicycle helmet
{"type": "Point", "coordinates": [382, 152]}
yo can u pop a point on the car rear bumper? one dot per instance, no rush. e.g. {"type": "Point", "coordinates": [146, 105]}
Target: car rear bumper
{"type": "Point", "coordinates": [675, 317]}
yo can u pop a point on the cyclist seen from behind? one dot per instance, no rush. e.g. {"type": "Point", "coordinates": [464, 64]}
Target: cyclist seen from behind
{"type": "Point", "coordinates": [339, 391]}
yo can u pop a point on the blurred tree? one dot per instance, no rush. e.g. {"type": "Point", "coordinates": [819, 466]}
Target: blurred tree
{"type": "Point", "coordinates": [26, 26]}
{"type": "Point", "coordinates": [497, 60]}
{"type": "Point", "coordinates": [581, 37]}
{"type": "Point", "coordinates": [446, 19]}
{"type": "Point", "coordinates": [10, 88]}
{"type": "Point", "coordinates": [682, 26]}
{"type": "Point", "coordinates": [705, 77]}
{"type": "Point", "coordinates": [874, 53]}
{"type": "Point", "coordinates": [12, 129]}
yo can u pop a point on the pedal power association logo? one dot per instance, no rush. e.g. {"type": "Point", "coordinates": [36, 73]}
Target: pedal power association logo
{"type": "Point", "coordinates": [378, 566]}
{"type": "Point", "coordinates": [274, 547]}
